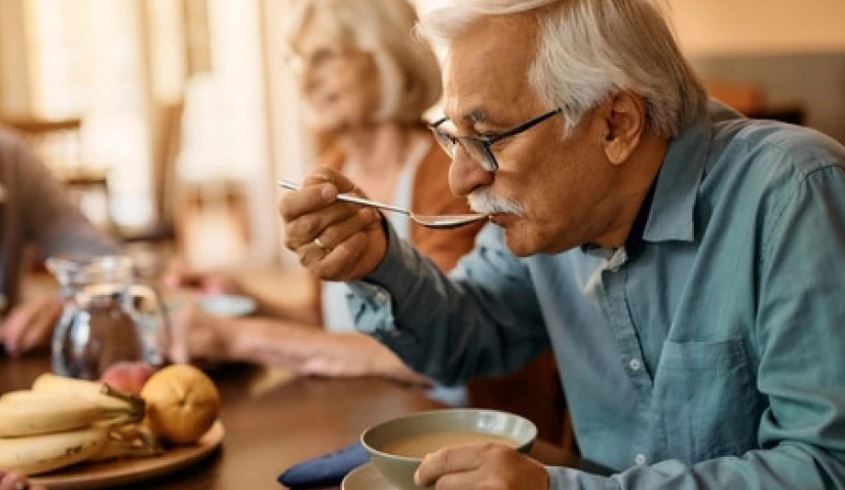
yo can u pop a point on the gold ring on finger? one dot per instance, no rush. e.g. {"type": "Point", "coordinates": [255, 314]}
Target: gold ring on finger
{"type": "Point", "coordinates": [322, 246]}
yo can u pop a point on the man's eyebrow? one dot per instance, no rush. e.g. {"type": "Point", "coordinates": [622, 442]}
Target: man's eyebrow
{"type": "Point", "coordinates": [475, 116]}
{"type": "Point", "coordinates": [484, 117]}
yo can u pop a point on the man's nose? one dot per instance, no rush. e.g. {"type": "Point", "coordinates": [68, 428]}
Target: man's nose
{"type": "Point", "coordinates": [466, 175]}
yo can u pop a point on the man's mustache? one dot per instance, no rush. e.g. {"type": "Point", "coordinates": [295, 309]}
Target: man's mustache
{"type": "Point", "coordinates": [483, 201]}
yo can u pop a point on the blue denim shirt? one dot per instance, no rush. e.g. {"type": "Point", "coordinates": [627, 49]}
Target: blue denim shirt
{"type": "Point", "coordinates": [711, 357]}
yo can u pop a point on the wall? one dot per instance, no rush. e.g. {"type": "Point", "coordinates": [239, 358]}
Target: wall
{"type": "Point", "coordinates": [14, 95]}
{"type": "Point", "coordinates": [708, 27]}
{"type": "Point", "coordinates": [794, 51]}
{"type": "Point", "coordinates": [728, 27]}
{"type": "Point", "coordinates": [815, 81]}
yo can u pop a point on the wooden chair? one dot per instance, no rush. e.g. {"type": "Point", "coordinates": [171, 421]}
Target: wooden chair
{"type": "Point", "coordinates": [749, 99]}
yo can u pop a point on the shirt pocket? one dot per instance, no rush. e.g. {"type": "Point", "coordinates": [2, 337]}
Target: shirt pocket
{"type": "Point", "coordinates": [705, 400]}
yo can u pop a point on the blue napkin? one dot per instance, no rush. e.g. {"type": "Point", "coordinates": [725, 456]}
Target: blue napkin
{"type": "Point", "coordinates": [326, 470]}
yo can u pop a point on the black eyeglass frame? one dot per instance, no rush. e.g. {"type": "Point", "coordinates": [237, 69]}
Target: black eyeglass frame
{"type": "Point", "coordinates": [483, 144]}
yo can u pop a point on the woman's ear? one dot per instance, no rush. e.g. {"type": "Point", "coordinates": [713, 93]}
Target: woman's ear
{"type": "Point", "coordinates": [625, 121]}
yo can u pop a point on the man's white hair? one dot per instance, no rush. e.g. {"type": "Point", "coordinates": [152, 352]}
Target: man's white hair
{"type": "Point", "coordinates": [590, 48]}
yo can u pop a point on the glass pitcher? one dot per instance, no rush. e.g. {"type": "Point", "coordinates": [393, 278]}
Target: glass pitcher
{"type": "Point", "coordinates": [107, 316]}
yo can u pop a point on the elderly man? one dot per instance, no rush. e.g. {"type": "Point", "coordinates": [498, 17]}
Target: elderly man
{"type": "Point", "coordinates": [685, 268]}
{"type": "Point", "coordinates": [34, 209]}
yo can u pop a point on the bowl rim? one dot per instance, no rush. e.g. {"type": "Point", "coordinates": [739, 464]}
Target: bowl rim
{"type": "Point", "coordinates": [244, 305]}
{"type": "Point", "coordinates": [408, 459]}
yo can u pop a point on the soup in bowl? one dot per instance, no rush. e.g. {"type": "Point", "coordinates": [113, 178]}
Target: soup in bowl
{"type": "Point", "coordinates": [397, 447]}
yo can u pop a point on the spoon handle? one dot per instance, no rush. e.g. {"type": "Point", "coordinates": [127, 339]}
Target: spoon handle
{"type": "Point", "coordinates": [291, 186]}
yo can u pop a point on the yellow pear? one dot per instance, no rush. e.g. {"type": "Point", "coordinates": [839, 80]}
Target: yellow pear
{"type": "Point", "coordinates": [182, 403]}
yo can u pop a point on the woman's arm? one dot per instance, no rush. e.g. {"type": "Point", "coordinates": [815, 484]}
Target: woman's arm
{"type": "Point", "coordinates": [301, 348]}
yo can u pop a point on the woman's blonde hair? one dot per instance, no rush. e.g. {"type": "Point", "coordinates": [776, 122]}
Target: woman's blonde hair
{"type": "Point", "coordinates": [408, 70]}
{"type": "Point", "coordinates": [588, 49]}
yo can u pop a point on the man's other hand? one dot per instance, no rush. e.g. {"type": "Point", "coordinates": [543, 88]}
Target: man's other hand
{"type": "Point", "coordinates": [478, 466]}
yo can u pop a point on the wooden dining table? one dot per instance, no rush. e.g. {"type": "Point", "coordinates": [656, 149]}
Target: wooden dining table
{"type": "Point", "coordinates": [272, 420]}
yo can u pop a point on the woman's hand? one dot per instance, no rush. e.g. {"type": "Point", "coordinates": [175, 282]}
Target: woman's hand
{"type": "Point", "coordinates": [30, 325]}
{"type": "Point", "coordinates": [479, 466]}
{"type": "Point", "coordinates": [12, 481]}
{"type": "Point", "coordinates": [199, 336]}
{"type": "Point", "coordinates": [128, 377]}
{"type": "Point", "coordinates": [337, 241]}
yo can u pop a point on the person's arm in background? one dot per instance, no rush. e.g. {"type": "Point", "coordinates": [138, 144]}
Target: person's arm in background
{"type": "Point", "coordinates": [198, 336]}
{"type": "Point", "coordinates": [51, 220]}
{"type": "Point", "coordinates": [54, 223]}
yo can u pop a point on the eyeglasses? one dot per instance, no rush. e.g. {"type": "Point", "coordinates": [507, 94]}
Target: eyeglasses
{"type": "Point", "coordinates": [480, 148]}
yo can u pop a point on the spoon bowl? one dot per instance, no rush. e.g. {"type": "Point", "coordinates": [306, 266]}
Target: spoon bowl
{"type": "Point", "coordinates": [440, 221]}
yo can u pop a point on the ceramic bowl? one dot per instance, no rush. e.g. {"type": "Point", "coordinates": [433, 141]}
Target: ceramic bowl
{"type": "Point", "coordinates": [428, 430]}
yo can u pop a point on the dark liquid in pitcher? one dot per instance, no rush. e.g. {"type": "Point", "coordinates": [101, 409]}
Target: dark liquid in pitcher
{"type": "Point", "coordinates": [92, 339]}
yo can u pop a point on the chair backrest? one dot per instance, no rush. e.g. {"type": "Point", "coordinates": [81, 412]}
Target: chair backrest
{"type": "Point", "coordinates": [57, 143]}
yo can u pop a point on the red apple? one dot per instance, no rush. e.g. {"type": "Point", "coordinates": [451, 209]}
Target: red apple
{"type": "Point", "coordinates": [128, 376]}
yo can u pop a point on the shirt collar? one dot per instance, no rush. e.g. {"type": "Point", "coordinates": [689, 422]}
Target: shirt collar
{"type": "Point", "coordinates": [671, 214]}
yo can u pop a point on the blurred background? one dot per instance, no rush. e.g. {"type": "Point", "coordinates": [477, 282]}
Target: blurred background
{"type": "Point", "coordinates": [170, 120]}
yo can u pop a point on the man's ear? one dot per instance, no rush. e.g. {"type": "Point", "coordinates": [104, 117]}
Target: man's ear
{"type": "Point", "coordinates": [625, 122]}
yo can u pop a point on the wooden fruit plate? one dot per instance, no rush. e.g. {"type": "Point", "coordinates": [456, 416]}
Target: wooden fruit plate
{"type": "Point", "coordinates": [110, 474]}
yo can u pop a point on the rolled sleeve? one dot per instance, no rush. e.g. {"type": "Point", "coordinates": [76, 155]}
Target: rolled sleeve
{"type": "Point", "coordinates": [371, 300]}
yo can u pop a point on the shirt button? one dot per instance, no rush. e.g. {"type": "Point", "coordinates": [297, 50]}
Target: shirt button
{"type": "Point", "coordinates": [640, 459]}
{"type": "Point", "coordinates": [635, 364]}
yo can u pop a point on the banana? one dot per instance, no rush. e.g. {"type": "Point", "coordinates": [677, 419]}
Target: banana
{"type": "Point", "coordinates": [129, 440]}
{"type": "Point", "coordinates": [26, 413]}
{"type": "Point", "coordinates": [100, 393]}
{"type": "Point", "coordinates": [39, 454]}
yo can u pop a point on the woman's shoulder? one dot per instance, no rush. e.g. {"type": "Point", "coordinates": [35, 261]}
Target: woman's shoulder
{"type": "Point", "coordinates": [431, 192]}
{"type": "Point", "coordinates": [432, 195]}
{"type": "Point", "coordinates": [434, 166]}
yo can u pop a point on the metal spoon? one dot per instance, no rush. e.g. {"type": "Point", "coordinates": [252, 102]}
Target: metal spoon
{"type": "Point", "coordinates": [443, 221]}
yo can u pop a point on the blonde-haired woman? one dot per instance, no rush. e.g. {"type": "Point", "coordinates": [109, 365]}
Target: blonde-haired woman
{"type": "Point", "coordinates": [365, 82]}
